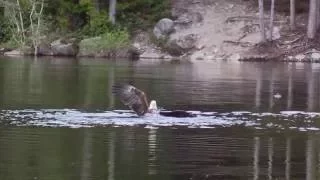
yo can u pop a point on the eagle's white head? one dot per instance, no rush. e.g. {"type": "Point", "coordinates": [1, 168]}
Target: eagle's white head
{"type": "Point", "coordinates": [153, 107]}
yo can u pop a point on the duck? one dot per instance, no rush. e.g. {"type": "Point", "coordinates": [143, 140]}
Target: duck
{"type": "Point", "coordinates": [137, 101]}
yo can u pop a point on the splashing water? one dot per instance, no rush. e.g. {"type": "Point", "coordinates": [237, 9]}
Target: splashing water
{"type": "Point", "coordinates": [298, 120]}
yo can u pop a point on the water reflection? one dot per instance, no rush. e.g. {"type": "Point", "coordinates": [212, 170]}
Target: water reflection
{"type": "Point", "coordinates": [270, 157]}
{"type": "Point", "coordinates": [162, 153]}
{"type": "Point", "coordinates": [215, 86]}
{"type": "Point", "coordinates": [256, 145]}
{"type": "Point", "coordinates": [152, 146]}
{"type": "Point", "coordinates": [111, 162]}
{"type": "Point", "coordinates": [288, 158]}
{"type": "Point", "coordinates": [231, 150]}
{"type": "Point", "coordinates": [87, 155]}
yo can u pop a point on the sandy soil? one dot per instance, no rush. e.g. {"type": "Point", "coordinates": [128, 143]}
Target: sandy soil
{"type": "Point", "coordinates": [230, 30]}
{"type": "Point", "coordinates": [229, 27]}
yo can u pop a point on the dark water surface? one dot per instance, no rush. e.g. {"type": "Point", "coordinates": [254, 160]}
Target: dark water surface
{"type": "Point", "coordinates": [59, 120]}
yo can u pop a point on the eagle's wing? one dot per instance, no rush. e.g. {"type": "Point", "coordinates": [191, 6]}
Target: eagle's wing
{"type": "Point", "coordinates": [132, 97]}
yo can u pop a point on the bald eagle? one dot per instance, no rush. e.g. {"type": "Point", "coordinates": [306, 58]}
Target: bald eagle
{"type": "Point", "coordinates": [137, 100]}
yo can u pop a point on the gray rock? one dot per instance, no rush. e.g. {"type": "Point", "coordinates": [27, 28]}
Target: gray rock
{"type": "Point", "coordinates": [182, 44]}
{"type": "Point", "coordinates": [300, 57]}
{"type": "Point", "coordinates": [315, 56]}
{"type": "Point", "coordinates": [188, 42]}
{"type": "Point", "coordinates": [44, 49]}
{"type": "Point", "coordinates": [62, 48]}
{"type": "Point", "coordinates": [58, 42]}
{"type": "Point", "coordinates": [14, 52]}
{"type": "Point", "coordinates": [163, 28]}
{"type": "Point", "coordinates": [26, 51]}
{"type": "Point", "coordinates": [3, 50]}
{"type": "Point", "coordinates": [151, 55]}
{"type": "Point", "coordinates": [235, 57]}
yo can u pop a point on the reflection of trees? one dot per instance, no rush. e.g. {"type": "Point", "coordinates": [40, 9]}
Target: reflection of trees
{"type": "Point", "coordinates": [71, 83]}
{"type": "Point", "coordinates": [293, 152]}
{"type": "Point", "coordinates": [291, 68]}
{"type": "Point", "coordinates": [256, 152]}
{"type": "Point", "coordinates": [66, 83]}
{"type": "Point", "coordinates": [295, 93]}
{"type": "Point", "coordinates": [258, 89]}
{"type": "Point", "coordinates": [105, 153]}
{"type": "Point", "coordinates": [270, 157]}
{"type": "Point", "coordinates": [111, 156]}
{"type": "Point", "coordinates": [311, 87]}
{"type": "Point", "coordinates": [288, 158]}
{"type": "Point", "coordinates": [93, 79]}
{"type": "Point", "coordinates": [271, 89]}
{"type": "Point", "coordinates": [312, 157]}
{"type": "Point", "coordinates": [87, 155]}
{"type": "Point", "coordinates": [152, 145]}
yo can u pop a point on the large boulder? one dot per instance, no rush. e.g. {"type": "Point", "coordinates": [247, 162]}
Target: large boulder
{"type": "Point", "coordinates": [163, 28]}
{"type": "Point", "coordinates": [44, 49]}
{"type": "Point", "coordinates": [3, 50]}
{"type": "Point", "coordinates": [181, 45]}
{"type": "Point", "coordinates": [15, 52]}
{"type": "Point", "coordinates": [25, 51]}
{"type": "Point", "coordinates": [63, 48]}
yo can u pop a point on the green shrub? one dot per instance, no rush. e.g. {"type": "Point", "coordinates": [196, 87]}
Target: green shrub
{"type": "Point", "coordinates": [11, 44]}
{"type": "Point", "coordinates": [108, 41]}
{"type": "Point", "coordinates": [141, 14]}
{"type": "Point", "coordinates": [5, 32]}
{"type": "Point", "coordinates": [98, 24]}
{"type": "Point", "coordinates": [67, 15]}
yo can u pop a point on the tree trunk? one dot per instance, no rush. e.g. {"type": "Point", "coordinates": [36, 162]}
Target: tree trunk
{"type": "Point", "coordinates": [312, 21]}
{"type": "Point", "coordinates": [271, 20]}
{"type": "Point", "coordinates": [22, 24]}
{"type": "Point", "coordinates": [318, 14]}
{"type": "Point", "coordinates": [112, 11]}
{"type": "Point", "coordinates": [292, 14]}
{"type": "Point", "coordinates": [35, 17]}
{"type": "Point", "coordinates": [261, 18]}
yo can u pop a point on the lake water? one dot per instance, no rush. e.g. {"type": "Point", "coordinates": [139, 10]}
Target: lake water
{"type": "Point", "coordinates": [60, 121]}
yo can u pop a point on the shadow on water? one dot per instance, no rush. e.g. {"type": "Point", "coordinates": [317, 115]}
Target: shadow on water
{"type": "Point", "coordinates": [241, 129]}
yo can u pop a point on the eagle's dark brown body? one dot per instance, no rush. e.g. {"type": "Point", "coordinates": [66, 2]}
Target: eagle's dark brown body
{"type": "Point", "coordinates": [137, 100]}
{"type": "Point", "coordinates": [132, 97]}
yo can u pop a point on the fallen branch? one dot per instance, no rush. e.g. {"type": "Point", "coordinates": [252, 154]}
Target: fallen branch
{"type": "Point", "coordinates": [247, 18]}
{"type": "Point", "coordinates": [240, 18]}
{"type": "Point", "coordinates": [243, 36]}
{"type": "Point", "coordinates": [312, 51]}
{"type": "Point", "coordinates": [243, 44]}
{"type": "Point", "coordinates": [292, 41]}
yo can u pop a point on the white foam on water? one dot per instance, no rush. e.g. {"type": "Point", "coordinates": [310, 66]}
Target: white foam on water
{"type": "Point", "coordinates": [76, 119]}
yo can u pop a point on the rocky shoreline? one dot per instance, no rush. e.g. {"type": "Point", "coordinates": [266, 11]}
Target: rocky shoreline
{"type": "Point", "coordinates": [200, 30]}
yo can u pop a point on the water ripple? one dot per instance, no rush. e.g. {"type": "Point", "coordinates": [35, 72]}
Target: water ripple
{"type": "Point", "coordinates": [297, 120]}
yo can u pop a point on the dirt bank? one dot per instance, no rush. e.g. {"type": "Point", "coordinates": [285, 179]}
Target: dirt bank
{"type": "Point", "coordinates": [230, 30]}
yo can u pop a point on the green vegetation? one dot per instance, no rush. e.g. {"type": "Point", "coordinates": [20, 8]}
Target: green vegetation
{"type": "Point", "coordinates": [141, 14]}
{"type": "Point", "coordinates": [108, 41]}
{"type": "Point", "coordinates": [77, 18]}
{"type": "Point", "coordinates": [5, 33]}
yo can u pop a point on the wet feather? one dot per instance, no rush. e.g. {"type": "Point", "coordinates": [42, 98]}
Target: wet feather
{"type": "Point", "coordinates": [132, 97]}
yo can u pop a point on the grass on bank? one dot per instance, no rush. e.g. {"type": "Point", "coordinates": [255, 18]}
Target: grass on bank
{"type": "Point", "coordinates": [108, 41]}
